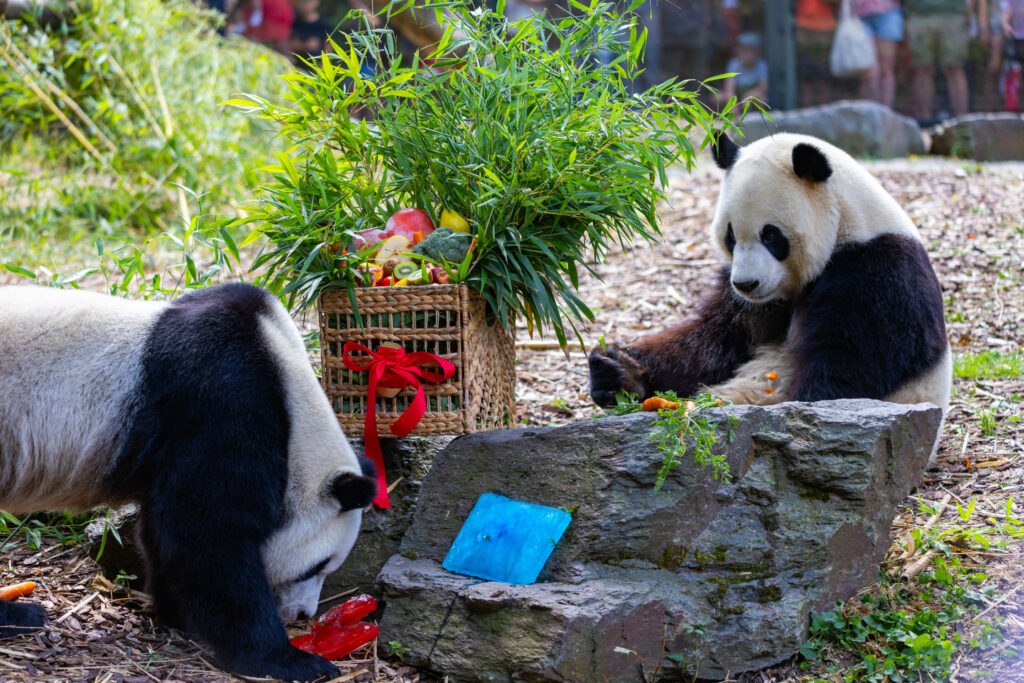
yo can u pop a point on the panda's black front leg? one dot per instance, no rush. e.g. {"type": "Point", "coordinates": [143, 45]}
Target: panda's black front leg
{"type": "Point", "coordinates": [18, 618]}
{"type": "Point", "coordinates": [207, 577]}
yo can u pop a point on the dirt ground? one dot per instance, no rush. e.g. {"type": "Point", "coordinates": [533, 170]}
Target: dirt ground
{"type": "Point", "coordinates": [970, 217]}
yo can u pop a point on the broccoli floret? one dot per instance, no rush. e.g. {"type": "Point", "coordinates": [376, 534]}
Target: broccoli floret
{"type": "Point", "coordinates": [444, 244]}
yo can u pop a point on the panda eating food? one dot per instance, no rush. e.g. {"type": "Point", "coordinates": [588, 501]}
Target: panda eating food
{"type": "Point", "coordinates": [207, 413]}
{"type": "Point", "coordinates": [828, 286]}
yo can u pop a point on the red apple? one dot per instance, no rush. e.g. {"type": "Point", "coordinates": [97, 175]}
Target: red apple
{"type": "Point", "coordinates": [369, 238]}
{"type": "Point", "coordinates": [407, 222]}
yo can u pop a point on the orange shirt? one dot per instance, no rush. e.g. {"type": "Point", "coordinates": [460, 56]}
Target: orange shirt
{"type": "Point", "coordinates": [816, 15]}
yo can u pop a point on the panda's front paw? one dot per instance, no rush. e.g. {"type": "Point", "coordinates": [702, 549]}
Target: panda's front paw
{"type": "Point", "coordinates": [613, 370]}
{"type": "Point", "coordinates": [290, 665]}
{"type": "Point", "coordinates": [18, 618]}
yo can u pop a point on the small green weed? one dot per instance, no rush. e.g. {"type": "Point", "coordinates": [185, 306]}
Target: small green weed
{"type": "Point", "coordinates": [674, 427]}
{"type": "Point", "coordinates": [987, 421]}
{"type": "Point", "coordinates": [989, 365]}
{"type": "Point", "coordinates": [397, 649]}
{"type": "Point", "coordinates": [66, 527]}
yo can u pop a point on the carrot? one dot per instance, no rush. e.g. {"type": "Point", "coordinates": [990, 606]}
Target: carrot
{"type": "Point", "coordinates": [417, 237]}
{"type": "Point", "coordinates": [772, 376]}
{"type": "Point", "coordinates": [719, 401]}
{"type": "Point", "coordinates": [769, 390]}
{"type": "Point", "coordinates": [18, 590]}
{"type": "Point", "coordinates": [658, 403]}
{"type": "Point", "coordinates": [690, 406]}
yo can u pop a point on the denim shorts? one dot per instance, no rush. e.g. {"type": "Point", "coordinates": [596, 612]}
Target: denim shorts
{"type": "Point", "coordinates": [885, 25]}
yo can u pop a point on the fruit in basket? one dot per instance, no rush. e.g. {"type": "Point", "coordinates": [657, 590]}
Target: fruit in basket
{"type": "Point", "coordinates": [369, 238]}
{"type": "Point", "coordinates": [444, 244]}
{"type": "Point", "coordinates": [450, 219]}
{"type": "Point", "coordinates": [439, 276]}
{"type": "Point", "coordinates": [407, 270]}
{"type": "Point", "coordinates": [391, 248]}
{"type": "Point", "coordinates": [407, 222]}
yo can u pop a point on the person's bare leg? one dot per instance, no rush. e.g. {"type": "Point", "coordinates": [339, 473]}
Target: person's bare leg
{"type": "Point", "coordinates": [923, 92]}
{"type": "Point", "coordinates": [886, 55]}
{"type": "Point", "coordinates": [959, 97]}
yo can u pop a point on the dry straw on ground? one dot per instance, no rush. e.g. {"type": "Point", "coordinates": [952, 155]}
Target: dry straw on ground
{"type": "Point", "coordinates": [971, 221]}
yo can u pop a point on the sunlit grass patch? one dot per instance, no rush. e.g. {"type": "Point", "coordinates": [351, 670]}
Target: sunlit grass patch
{"type": "Point", "coordinates": [989, 365]}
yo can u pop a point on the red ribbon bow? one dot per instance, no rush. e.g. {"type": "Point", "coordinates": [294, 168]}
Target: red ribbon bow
{"type": "Point", "coordinates": [393, 369]}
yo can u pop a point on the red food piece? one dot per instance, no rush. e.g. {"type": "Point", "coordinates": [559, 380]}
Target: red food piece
{"type": "Point", "coordinates": [407, 222]}
{"type": "Point", "coordinates": [304, 643]}
{"type": "Point", "coordinates": [338, 643]}
{"type": "Point", "coordinates": [345, 615]}
{"type": "Point", "coordinates": [383, 282]}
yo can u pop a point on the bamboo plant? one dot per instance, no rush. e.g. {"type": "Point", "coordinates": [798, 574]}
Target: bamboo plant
{"type": "Point", "coordinates": [528, 129]}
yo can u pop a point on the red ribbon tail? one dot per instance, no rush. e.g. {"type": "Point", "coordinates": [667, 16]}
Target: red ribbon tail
{"type": "Point", "coordinates": [371, 442]}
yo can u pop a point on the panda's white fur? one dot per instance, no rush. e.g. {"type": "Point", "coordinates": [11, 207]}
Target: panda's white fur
{"type": "Point", "coordinates": [852, 207]}
{"type": "Point", "coordinates": [71, 369]}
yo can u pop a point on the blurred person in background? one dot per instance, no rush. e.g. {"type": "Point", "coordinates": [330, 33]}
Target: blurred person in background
{"type": "Point", "coordinates": [269, 22]}
{"type": "Point", "coordinates": [884, 21]}
{"type": "Point", "coordinates": [1013, 28]}
{"type": "Point", "coordinates": [938, 32]}
{"type": "Point", "coordinates": [990, 35]}
{"type": "Point", "coordinates": [751, 79]}
{"type": "Point", "coordinates": [815, 28]}
{"type": "Point", "coordinates": [309, 30]}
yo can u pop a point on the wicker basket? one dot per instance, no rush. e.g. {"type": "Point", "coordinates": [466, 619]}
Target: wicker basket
{"type": "Point", "coordinates": [446, 320]}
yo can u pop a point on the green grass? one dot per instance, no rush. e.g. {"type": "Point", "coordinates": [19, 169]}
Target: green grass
{"type": "Point", "coordinates": [141, 129]}
{"type": "Point", "coordinates": [989, 365]}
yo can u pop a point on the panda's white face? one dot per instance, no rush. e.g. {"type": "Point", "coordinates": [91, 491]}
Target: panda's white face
{"type": "Point", "coordinates": [777, 229]}
{"type": "Point", "coordinates": [307, 548]}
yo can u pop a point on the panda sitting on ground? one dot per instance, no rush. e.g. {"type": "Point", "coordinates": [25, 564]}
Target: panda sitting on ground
{"type": "Point", "coordinates": [828, 285]}
{"type": "Point", "coordinates": [206, 412]}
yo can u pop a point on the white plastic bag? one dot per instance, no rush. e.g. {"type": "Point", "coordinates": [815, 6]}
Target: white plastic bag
{"type": "Point", "coordinates": [853, 50]}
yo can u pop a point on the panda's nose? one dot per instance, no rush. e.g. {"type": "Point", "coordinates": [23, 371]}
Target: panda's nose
{"type": "Point", "coordinates": [302, 615]}
{"type": "Point", "coordinates": [746, 286]}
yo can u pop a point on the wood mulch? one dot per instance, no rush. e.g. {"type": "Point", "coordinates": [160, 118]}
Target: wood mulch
{"type": "Point", "coordinates": [971, 219]}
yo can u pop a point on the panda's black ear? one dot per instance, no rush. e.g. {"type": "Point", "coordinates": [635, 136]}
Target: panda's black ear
{"type": "Point", "coordinates": [353, 491]}
{"type": "Point", "coordinates": [724, 150]}
{"type": "Point", "coordinates": [810, 164]}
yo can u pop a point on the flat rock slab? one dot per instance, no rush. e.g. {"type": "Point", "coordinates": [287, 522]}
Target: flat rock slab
{"type": "Point", "coordinates": [982, 137]}
{"type": "Point", "coordinates": [723, 575]}
{"type": "Point", "coordinates": [861, 127]}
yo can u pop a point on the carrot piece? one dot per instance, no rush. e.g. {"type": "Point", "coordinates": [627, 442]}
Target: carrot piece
{"type": "Point", "coordinates": [690, 405]}
{"type": "Point", "coordinates": [772, 376]}
{"type": "Point", "coordinates": [417, 237]}
{"type": "Point", "coordinates": [719, 402]}
{"type": "Point", "coordinates": [769, 390]}
{"type": "Point", "coordinates": [18, 590]}
{"type": "Point", "coordinates": [658, 403]}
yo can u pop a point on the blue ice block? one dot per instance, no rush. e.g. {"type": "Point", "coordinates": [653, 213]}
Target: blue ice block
{"type": "Point", "coordinates": [506, 540]}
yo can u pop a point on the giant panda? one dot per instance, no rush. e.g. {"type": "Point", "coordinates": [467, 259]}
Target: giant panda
{"type": "Point", "coordinates": [207, 413]}
{"type": "Point", "coordinates": [827, 284]}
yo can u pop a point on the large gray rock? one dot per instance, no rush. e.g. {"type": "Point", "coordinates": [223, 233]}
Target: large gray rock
{"type": "Point", "coordinates": [861, 127]}
{"type": "Point", "coordinates": [723, 575]}
{"type": "Point", "coordinates": [983, 137]}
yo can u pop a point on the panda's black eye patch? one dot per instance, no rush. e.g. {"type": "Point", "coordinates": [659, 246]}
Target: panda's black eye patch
{"type": "Point", "coordinates": [313, 571]}
{"type": "Point", "coordinates": [730, 238]}
{"type": "Point", "coordinates": [775, 242]}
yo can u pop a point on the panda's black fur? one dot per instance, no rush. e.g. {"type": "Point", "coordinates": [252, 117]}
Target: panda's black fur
{"type": "Point", "coordinates": [205, 453]}
{"type": "Point", "coordinates": [855, 313]}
